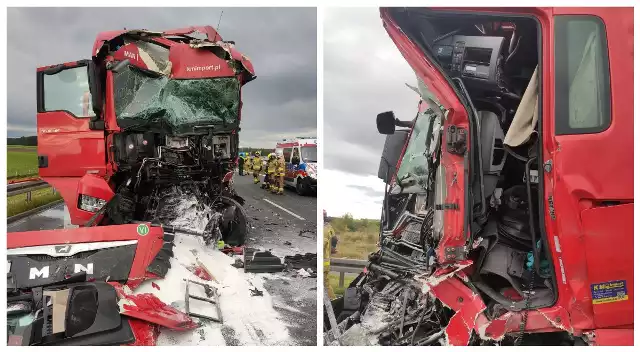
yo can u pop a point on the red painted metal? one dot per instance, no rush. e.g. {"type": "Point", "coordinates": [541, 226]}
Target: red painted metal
{"type": "Point", "coordinates": [147, 248]}
{"type": "Point", "coordinates": [71, 148]}
{"type": "Point", "coordinates": [150, 308]}
{"type": "Point", "coordinates": [613, 337]}
{"type": "Point", "coordinates": [592, 242]}
{"type": "Point", "coordinates": [454, 236]}
{"type": "Point", "coordinates": [145, 333]}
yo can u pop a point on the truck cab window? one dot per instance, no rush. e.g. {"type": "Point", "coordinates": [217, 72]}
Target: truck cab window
{"type": "Point", "coordinates": [582, 75]}
{"type": "Point", "coordinates": [68, 90]}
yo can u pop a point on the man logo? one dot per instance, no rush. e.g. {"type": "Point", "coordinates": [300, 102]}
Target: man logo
{"type": "Point", "coordinates": [44, 272]}
{"type": "Point", "coordinates": [63, 249]}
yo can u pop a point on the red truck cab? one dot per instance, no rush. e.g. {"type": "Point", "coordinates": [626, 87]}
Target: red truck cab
{"type": "Point", "coordinates": [510, 195]}
{"type": "Point", "coordinates": [149, 110]}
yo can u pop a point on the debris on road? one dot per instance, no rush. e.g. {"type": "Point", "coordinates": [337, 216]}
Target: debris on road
{"type": "Point", "coordinates": [150, 308]}
{"type": "Point", "coordinates": [238, 263]}
{"type": "Point", "coordinates": [261, 262]}
{"type": "Point", "coordinates": [301, 261]}
{"type": "Point", "coordinates": [255, 292]}
{"type": "Point", "coordinates": [212, 298]}
{"type": "Point", "coordinates": [303, 273]}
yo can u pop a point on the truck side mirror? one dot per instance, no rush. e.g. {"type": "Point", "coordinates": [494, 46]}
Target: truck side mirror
{"type": "Point", "coordinates": [386, 122]}
{"type": "Point", "coordinates": [391, 153]}
{"type": "Point", "coordinates": [96, 76]}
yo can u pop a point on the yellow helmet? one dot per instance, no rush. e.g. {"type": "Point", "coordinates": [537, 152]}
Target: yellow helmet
{"type": "Point", "coordinates": [257, 153]}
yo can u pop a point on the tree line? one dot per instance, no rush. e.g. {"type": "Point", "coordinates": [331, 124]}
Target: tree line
{"type": "Point", "coordinates": [347, 223]}
{"type": "Point", "coordinates": [25, 140]}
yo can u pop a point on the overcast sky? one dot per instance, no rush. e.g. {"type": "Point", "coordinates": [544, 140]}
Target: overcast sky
{"type": "Point", "coordinates": [364, 74]}
{"type": "Point", "coordinates": [281, 43]}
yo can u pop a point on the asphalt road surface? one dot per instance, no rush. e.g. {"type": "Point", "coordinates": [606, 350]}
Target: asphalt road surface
{"type": "Point", "coordinates": [284, 224]}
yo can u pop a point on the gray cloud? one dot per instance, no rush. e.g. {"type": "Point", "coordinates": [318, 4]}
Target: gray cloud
{"type": "Point", "coordinates": [281, 43]}
{"type": "Point", "coordinates": [368, 191]}
{"type": "Point", "coordinates": [364, 74]}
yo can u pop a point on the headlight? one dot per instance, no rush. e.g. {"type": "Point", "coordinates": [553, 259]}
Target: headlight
{"type": "Point", "coordinates": [90, 204]}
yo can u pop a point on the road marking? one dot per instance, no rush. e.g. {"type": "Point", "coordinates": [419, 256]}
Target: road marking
{"type": "Point", "coordinates": [288, 211]}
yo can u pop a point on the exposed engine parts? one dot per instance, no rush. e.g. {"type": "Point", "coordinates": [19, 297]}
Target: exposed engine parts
{"type": "Point", "coordinates": [157, 173]}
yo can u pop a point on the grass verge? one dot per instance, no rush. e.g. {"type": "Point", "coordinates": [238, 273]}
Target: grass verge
{"type": "Point", "coordinates": [334, 280]}
{"type": "Point", "coordinates": [19, 204]}
{"type": "Point", "coordinates": [21, 162]}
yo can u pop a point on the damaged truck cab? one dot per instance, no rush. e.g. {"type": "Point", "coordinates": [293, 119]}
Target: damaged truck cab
{"type": "Point", "coordinates": [508, 215]}
{"type": "Point", "coordinates": [150, 120]}
{"type": "Point", "coordinates": [151, 117]}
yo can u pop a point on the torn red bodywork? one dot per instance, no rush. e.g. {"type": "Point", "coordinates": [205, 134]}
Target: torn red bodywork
{"type": "Point", "coordinates": [150, 308]}
{"type": "Point", "coordinates": [201, 273]}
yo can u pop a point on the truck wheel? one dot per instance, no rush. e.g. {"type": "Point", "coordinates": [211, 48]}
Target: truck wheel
{"type": "Point", "coordinates": [301, 188]}
{"type": "Point", "coordinates": [238, 229]}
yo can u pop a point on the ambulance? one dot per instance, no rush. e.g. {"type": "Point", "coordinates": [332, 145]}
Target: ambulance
{"type": "Point", "coordinates": [301, 160]}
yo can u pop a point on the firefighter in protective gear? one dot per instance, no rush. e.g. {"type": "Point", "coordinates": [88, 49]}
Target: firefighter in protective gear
{"type": "Point", "coordinates": [256, 166]}
{"type": "Point", "coordinates": [247, 163]}
{"type": "Point", "coordinates": [326, 255]}
{"type": "Point", "coordinates": [241, 164]}
{"type": "Point", "coordinates": [271, 172]}
{"type": "Point", "coordinates": [279, 175]}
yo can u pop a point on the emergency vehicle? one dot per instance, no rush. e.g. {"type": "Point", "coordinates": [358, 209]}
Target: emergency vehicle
{"type": "Point", "coordinates": [301, 159]}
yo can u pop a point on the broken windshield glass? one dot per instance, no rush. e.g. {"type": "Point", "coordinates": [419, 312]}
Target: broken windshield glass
{"type": "Point", "coordinates": [176, 105]}
{"type": "Point", "coordinates": [413, 173]}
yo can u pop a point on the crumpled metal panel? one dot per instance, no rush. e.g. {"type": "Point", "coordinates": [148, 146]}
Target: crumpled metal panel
{"type": "Point", "coordinates": [150, 308]}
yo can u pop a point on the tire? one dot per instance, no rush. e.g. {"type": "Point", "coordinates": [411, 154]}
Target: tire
{"type": "Point", "coordinates": [301, 188]}
{"type": "Point", "coordinates": [236, 235]}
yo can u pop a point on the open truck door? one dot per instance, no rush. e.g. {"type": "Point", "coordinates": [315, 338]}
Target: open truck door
{"type": "Point", "coordinates": [67, 146]}
{"type": "Point", "coordinates": [71, 140]}
{"type": "Point", "coordinates": [456, 138]}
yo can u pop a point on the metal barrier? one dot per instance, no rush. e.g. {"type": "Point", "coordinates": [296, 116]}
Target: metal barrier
{"type": "Point", "coordinates": [343, 266]}
{"type": "Point", "coordinates": [25, 187]}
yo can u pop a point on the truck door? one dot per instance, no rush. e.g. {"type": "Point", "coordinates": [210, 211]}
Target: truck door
{"type": "Point", "coordinates": [67, 147]}
{"type": "Point", "coordinates": [455, 156]}
{"type": "Point", "coordinates": [592, 156]}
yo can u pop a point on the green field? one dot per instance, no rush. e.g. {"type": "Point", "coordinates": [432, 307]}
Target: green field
{"type": "Point", "coordinates": [334, 280]}
{"type": "Point", "coordinates": [22, 161]}
{"type": "Point", "coordinates": [357, 238]}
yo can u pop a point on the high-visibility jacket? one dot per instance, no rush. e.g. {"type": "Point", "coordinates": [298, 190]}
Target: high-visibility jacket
{"type": "Point", "coordinates": [271, 166]}
{"type": "Point", "coordinates": [280, 167]}
{"type": "Point", "coordinates": [326, 256]}
{"type": "Point", "coordinates": [247, 162]}
{"type": "Point", "coordinates": [257, 163]}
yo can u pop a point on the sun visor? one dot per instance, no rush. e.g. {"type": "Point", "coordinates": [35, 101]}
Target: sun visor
{"type": "Point", "coordinates": [526, 118]}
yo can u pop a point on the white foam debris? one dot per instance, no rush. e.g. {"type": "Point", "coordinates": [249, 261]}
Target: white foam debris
{"type": "Point", "coordinates": [192, 218]}
{"type": "Point", "coordinates": [248, 320]}
{"type": "Point", "coordinates": [303, 273]}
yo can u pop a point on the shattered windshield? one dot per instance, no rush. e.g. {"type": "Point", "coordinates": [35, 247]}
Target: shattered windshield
{"type": "Point", "coordinates": [177, 105]}
{"type": "Point", "coordinates": [309, 154]}
{"type": "Point", "coordinates": [413, 173]}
